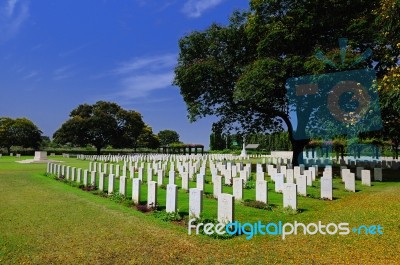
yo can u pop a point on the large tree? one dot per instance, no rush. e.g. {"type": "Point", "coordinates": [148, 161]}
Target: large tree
{"type": "Point", "coordinates": [238, 72]}
{"type": "Point", "coordinates": [388, 16]}
{"type": "Point", "coordinates": [148, 139]}
{"type": "Point", "coordinates": [101, 124]}
{"type": "Point", "coordinates": [19, 132]}
{"type": "Point", "coordinates": [168, 137]}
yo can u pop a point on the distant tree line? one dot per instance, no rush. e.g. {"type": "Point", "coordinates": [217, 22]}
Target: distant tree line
{"type": "Point", "coordinates": [267, 142]}
{"type": "Point", "coordinates": [19, 132]}
{"type": "Point", "coordinates": [101, 125]}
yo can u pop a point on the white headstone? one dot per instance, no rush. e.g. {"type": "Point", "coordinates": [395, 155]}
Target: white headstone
{"type": "Point", "coordinates": [172, 198]}
{"type": "Point", "coordinates": [85, 177]}
{"type": "Point", "coordinates": [111, 180]}
{"type": "Point", "coordinates": [124, 170]}
{"type": "Point", "coordinates": [228, 177]}
{"type": "Point", "coordinates": [289, 176]}
{"type": "Point", "coordinates": [290, 195]}
{"type": "Point", "coordinates": [101, 181]}
{"type": "Point", "coordinates": [136, 182]}
{"type": "Point", "coordinates": [152, 194]}
{"type": "Point", "coordinates": [308, 175]}
{"type": "Point", "coordinates": [238, 188]}
{"type": "Point", "coordinates": [140, 173]}
{"type": "Point", "coordinates": [93, 178]}
{"type": "Point", "coordinates": [302, 185]}
{"type": "Point", "coordinates": [67, 173]}
{"type": "Point", "coordinates": [73, 170]}
{"type": "Point", "coordinates": [185, 180]}
{"type": "Point", "coordinates": [122, 185]}
{"type": "Point", "coordinates": [313, 174]}
{"type": "Point", "coordinates": [226, 208]}
{"type": "Point", "coordinates": [200, 181]}
{"type": "Point", "coordinates": [160, 177]}
{"type": "Point", "coordinates": [260, 175]}
{"type": "Point", "coordinates": [344, 173]}
{"type": "Point", "coordinates": [117, 169]}
{"type": "Point", "coordinates": [283, 170]}
{"type": "Point", "coordinates": [296, 172]}
{"type": "Point", "coordinates": [149, 174]}
{"type": "Point", "coordinates": [279, 181]}
{"type": "Point", "coordinates": [327, 173]}
{"type": "Point", "coordinates": [273, 171]}
{"type": "Point", "coordinates": [171, 177]}
{"type": "Point", "coordinates": [40, 155]}
{"type": "Point", "coordinates": [366, 177]}
{"type": "Point", "coordinates": [217, 186]}
{"type": "Point", "coordinates": [195, 203]}
{"type": "Point", "coordinates": [79, 174]}
{"type": "Point", "coordinates": [326, 188]}
{"type": "Point", "coordinates": [350, 182]}
{"type": "Point", "coordinates": [262, 191]}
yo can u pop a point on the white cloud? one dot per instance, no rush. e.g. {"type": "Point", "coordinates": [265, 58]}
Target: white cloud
{"type": "Point", "coordinates": [140, 76]}
{"type": "Point", "coordinates": [63, 72]}
{"type": "Point", "coordinates": [195, 8]}
{"type": "Point", "coordinates": [10, 7]}
{"type": "Point", "coordinates": [73, 50]}
{"type": "Point", "coordinates": [141, 85]}
{"type": "Point", "coordinates": [30, 75]}
{"type": "Point", "coordinates": [152, 63]}
{"type": "Point", "coordinates": [15, 13]}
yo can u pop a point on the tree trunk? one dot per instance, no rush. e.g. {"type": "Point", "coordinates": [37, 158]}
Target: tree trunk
{"type": "Point", "coordinates": [9, 149]}
{"type": "Point", "coordinates": [298, 147]}
{"type": "Point", "coordinates": [98, 149]}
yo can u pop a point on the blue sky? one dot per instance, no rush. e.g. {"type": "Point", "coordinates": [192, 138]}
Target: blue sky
{"type": "Point", "coordinates": [55, 55]}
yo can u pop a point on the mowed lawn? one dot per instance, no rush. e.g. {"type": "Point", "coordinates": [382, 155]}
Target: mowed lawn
{"type": "Point", "coordinates": [43, 221]}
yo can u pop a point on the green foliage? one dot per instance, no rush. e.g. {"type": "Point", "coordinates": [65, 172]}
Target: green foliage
{"type": "Point", "coordinates": [249, 185]}
{"type": "Point", "coordinates": [19, 132]}
{"type": "Point", "coordinates": [117, 197]}
{"type": "Point", "coordinates": [167, 137]}
{"type": "Point", "coordinates": [168, 217]}
{"type": "Point", "coordinates": [238, 72]}
{"type": "Point", "coordinates": [148, 139]}
{"type": "Point", "coordinates": [289, 210]}
{"type": "Point", "coordinates": [257, 204]}
{"type": "Point", "coordinates": [100, 125]}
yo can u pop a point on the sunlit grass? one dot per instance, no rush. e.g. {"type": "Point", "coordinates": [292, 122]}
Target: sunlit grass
{"type": "Point", "coordinates": [47, 221]}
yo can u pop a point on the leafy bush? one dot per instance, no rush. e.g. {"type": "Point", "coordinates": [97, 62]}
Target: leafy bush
{"type": "Point", "coordinates": [257, 204]}
{"type": "Point", "coordinates": [117, 197]}
{"type": "Point", "coordinates": [249, 185]}
{"type": "Point", "coordinates": [168, 217]}
{"type": "Point", "coordinates": [289, 210]}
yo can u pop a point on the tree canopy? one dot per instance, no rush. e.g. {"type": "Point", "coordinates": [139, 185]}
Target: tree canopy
{"type": "Point", "coordinates": [148, 139]}
{"type": "Point", "coordinates": [238, 72]}
{"type": "Point", "coordinates": [168, 137]}
{"type": "Point", "coordinates": [19, 132]}
{"type": "Point", "coordinates": [100, 125]}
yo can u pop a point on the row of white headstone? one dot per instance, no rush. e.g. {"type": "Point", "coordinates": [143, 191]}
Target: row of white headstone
{"type": "Point", "coordinates": [225, 201]}
{"type": "Point", "coordinates": [278, 159]}
{"type": "Point", "coordinates": [298, 175]}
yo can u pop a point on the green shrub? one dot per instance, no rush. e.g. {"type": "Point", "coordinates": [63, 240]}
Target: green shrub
{"type": "Point", "coordinates": [257, 204]}
{"type": "Point", "coordinates": [168, 217]}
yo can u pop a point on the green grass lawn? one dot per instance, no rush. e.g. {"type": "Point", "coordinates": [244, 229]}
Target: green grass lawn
{"type": "Point", "coordinates": [46, 221]}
